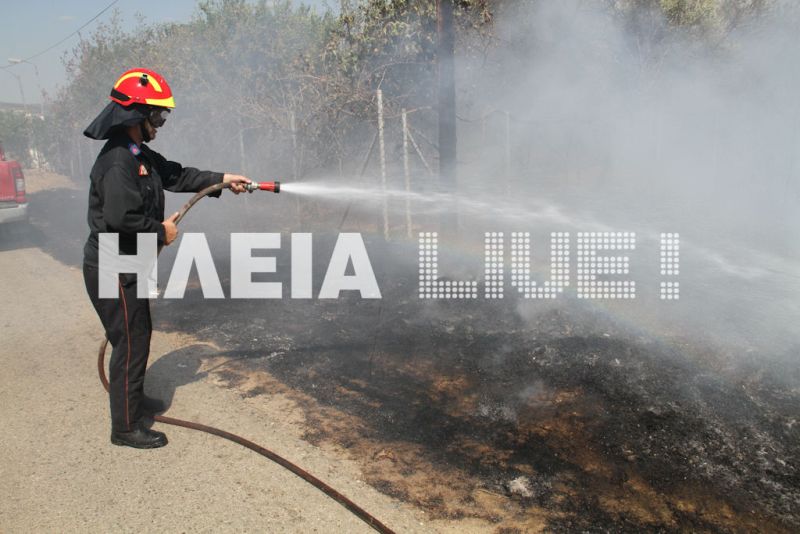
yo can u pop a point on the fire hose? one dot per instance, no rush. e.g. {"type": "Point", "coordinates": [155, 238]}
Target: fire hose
{"type": "Point", "coordinates": [263, 451]}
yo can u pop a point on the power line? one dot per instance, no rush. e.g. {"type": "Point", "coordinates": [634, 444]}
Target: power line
{"type": "Point", "coordinates": [64, 39]}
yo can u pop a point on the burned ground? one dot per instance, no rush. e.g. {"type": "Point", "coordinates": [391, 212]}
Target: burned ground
{"type": "Point", "coordinates": [448, 402]}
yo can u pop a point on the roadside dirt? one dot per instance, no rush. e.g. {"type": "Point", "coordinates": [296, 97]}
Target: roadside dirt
{"type": "Point", "coordinates": [37, 180]}
{"type": "Point", "coordinates": [59, 470]}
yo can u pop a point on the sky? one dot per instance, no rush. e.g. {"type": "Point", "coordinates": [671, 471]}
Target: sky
{"type": "Point", "coordinates": [30, 26]}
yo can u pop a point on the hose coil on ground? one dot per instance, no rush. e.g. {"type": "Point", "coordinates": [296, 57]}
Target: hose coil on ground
{"type": "Point", "coordinates": [359, 512]}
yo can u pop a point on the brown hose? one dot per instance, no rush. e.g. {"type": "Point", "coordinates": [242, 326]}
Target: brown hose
{"type": "Point", "coordinates": [203, 192]}
{"type": "Point", "coordinates": [359, 512]}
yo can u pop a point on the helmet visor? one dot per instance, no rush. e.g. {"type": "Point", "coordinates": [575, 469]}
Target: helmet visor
{"type": "Point", "coordinates": [158, 117]}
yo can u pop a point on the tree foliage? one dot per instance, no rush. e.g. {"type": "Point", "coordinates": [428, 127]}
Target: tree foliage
{"type": "Point", "coordinates": [16, 135]}
{"type": "Point", "coordinates": [294, 89]}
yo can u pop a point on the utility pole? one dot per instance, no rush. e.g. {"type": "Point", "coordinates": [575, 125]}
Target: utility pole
{"type": "Point", "coordinates": [295, 155]}
{"type": "Point", "coordinates": [406, 172]}
{"type": "Point", "coordinates": [448, 179]}
{"type": "Point", "coordinates": [242, 152]}
{"type": "Point", "coordinates": [382, 149]}
{"type": "Point", "coordinates": [21, 90]}
{"type": "Point", "coordinates": [508, 152]}
{"type": "Point", "coordinates": [16, 61]}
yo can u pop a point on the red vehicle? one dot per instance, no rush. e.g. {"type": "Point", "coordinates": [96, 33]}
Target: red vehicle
{"type": "Point", "coordinates": [13, 204]}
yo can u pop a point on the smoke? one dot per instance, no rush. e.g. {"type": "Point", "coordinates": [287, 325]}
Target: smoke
{"type": "Point", "coordinates": [574, 116]}
{"type": "Point", "coordinates": [586, 116]}
{"type": "Point", "coordinates": [620, 121]}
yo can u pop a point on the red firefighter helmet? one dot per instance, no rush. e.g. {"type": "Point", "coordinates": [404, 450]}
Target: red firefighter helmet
{"type": "Point", "coordinates": [142, 86]}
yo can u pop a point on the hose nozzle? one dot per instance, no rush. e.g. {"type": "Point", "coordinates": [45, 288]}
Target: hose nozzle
{"type": "Point", "coordinates": [275, 187]}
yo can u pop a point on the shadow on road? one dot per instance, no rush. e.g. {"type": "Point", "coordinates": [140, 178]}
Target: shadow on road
{"type": "Point", "coordinates": [19, 235]}
{"type": "Point", "coordinates": [182, 367]}
{"type": "Point", "coordinates": [175, 369]}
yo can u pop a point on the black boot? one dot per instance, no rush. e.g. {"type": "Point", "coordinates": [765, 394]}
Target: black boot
{"type": "Point", "coordinates": [139, 438]}
{"type": "Point", "coordinates": [151, 406]}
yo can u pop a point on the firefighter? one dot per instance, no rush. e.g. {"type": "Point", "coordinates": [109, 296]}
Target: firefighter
{"type": "Point", "coordinates": [126, 196]}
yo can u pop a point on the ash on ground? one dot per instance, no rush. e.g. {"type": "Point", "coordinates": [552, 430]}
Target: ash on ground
{"type": "Point", "coordinates": [560, 420]}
